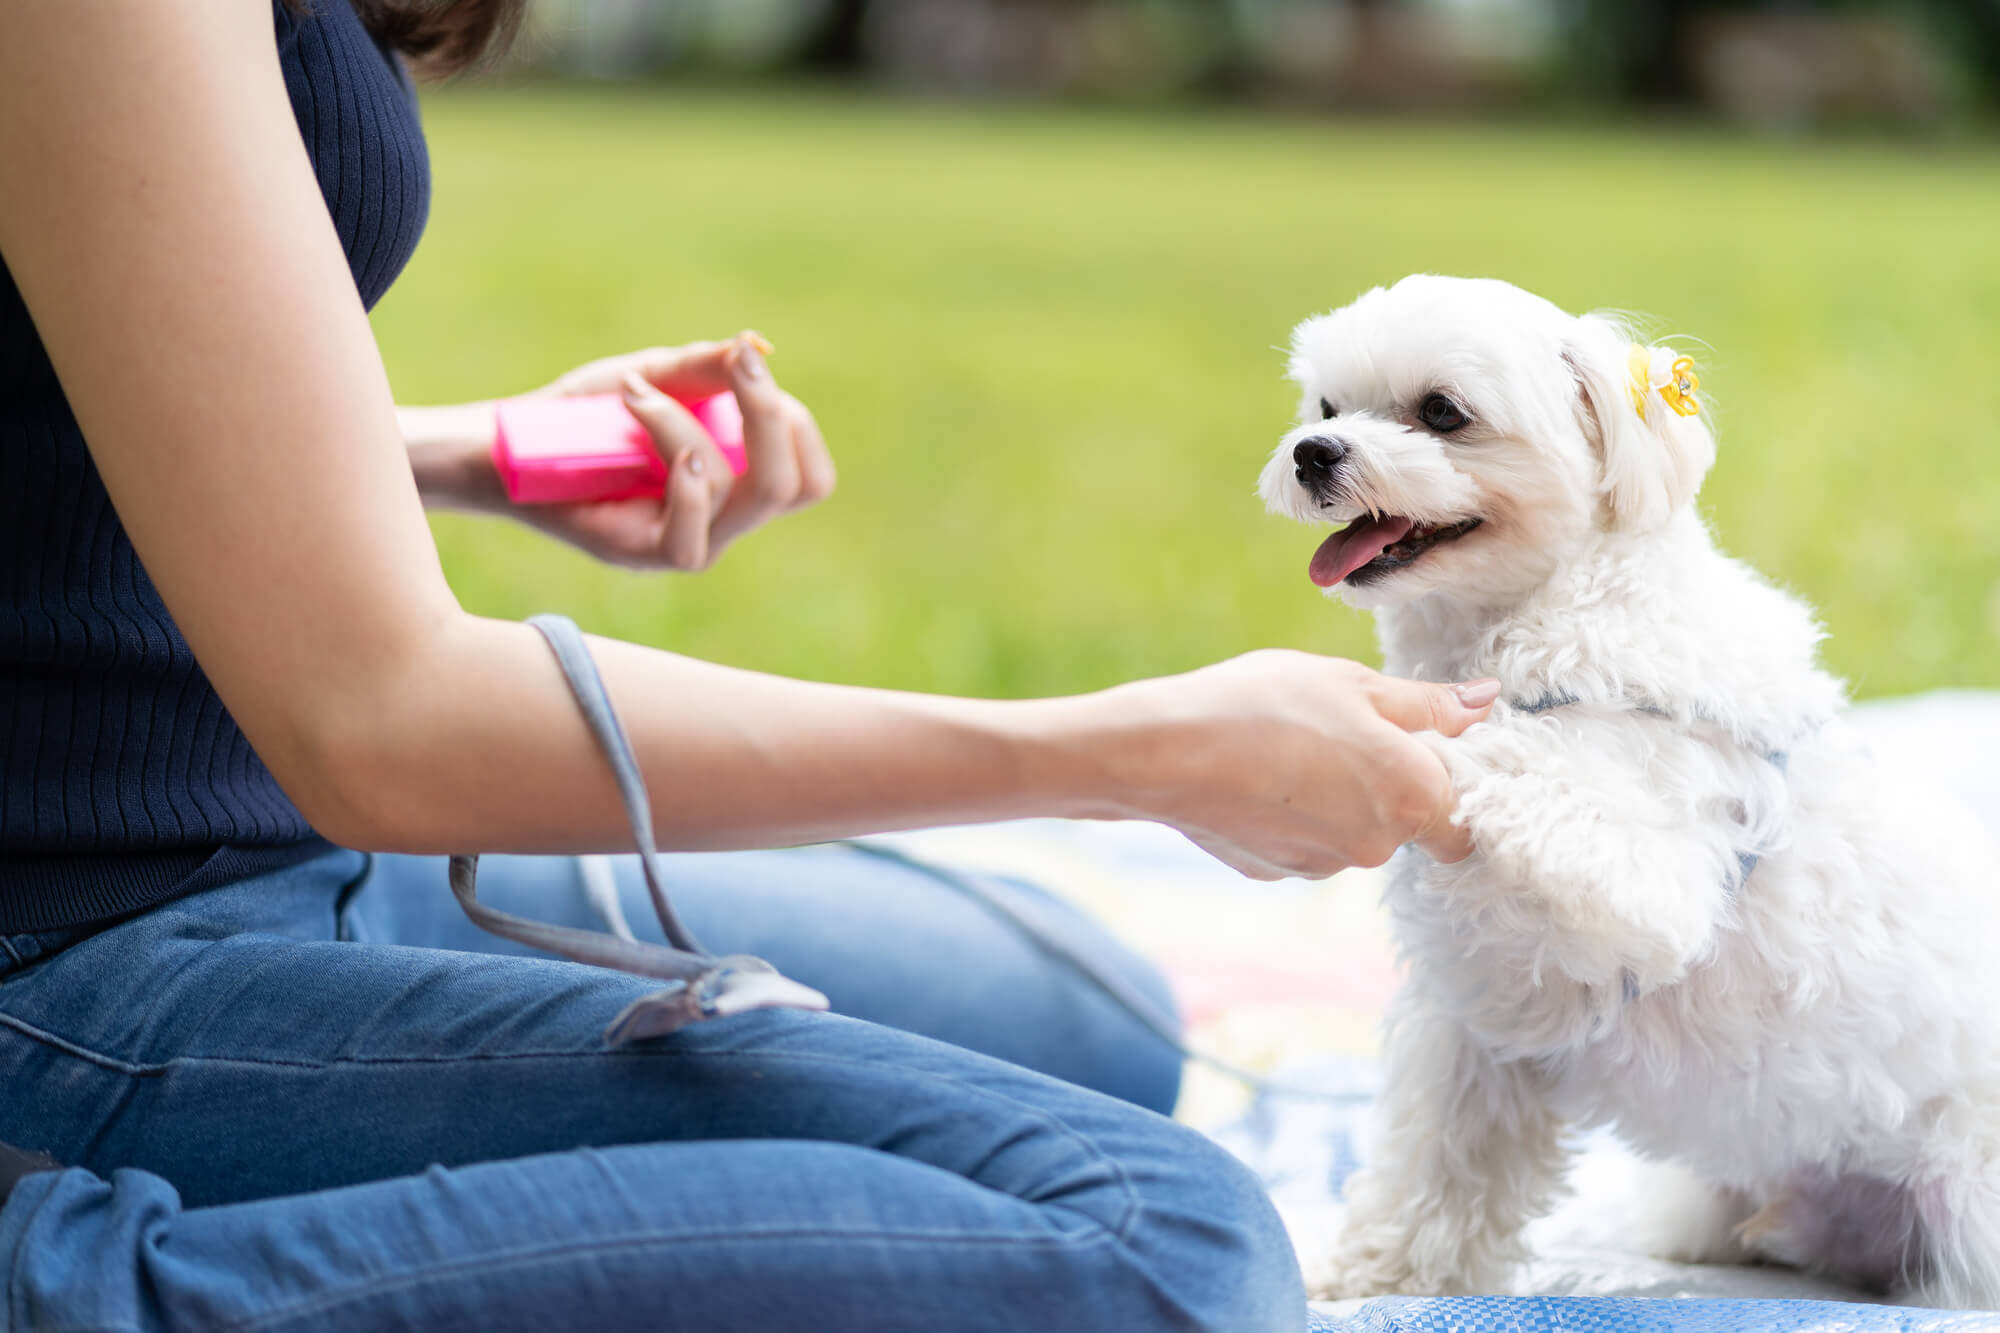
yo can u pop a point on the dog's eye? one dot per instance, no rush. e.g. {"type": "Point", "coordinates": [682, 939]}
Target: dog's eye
{"type": "Point", "coordinates": [1440, 413]}
{"type": "Point", "coordinates": [1326, 412]}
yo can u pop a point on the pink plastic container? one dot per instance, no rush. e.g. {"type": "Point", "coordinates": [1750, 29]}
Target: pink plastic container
{"type": "Point", "coordinates": [562, 450]}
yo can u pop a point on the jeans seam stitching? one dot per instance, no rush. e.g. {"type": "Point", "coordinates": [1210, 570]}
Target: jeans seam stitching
{"type": "Point", "coordinates": [1122, 1228]}
{"type": "Point", "coordinates": [1097, 1235]}
{"type": "Point", "coordinates": [68, 1047]}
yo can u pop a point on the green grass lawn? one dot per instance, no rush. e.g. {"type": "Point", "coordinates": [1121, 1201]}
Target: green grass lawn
{"type": "Point", "coordinates": [1043, 344]}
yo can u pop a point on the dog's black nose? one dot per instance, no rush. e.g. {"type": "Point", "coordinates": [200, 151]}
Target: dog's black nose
{"type": "Point", "coordinates": [1317, 458]}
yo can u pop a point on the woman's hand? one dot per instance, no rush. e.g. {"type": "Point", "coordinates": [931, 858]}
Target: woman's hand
{"type": "Point", "coordinates": [705, 507]}
{"type": "Point", "coordinates": [1283, 763]}
{"type": "Point", "coordinates": [788, 469]}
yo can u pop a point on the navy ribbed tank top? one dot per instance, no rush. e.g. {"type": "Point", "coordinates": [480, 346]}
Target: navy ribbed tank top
{"type": "Point", "coordinates": [123, 779]}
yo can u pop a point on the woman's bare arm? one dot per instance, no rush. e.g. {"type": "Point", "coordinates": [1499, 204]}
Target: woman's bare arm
{"type": "Point", "coordinates": [160, 216]}
{"type": "Point", "coordinates": [450, 453]}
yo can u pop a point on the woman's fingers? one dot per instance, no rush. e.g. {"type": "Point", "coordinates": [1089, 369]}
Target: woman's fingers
{"type": "Point", "coordinates": [1416, 705]}
{"type": "Point", "coordinates": [698, 481]}
{"type": "Point", "coordinates": [1448, 843]}
{"type": "Point", "coordinates": [1419, 798]}
{"type": "Point", "coordinates": [1418, 795]}
{"type": "Point", "coordinates": [816, 470]}
{"type": "Point", "coordinates": [771, 482]}
{"type": "Point", "coordinates": [695, 370]}
{"type": "Point", "coordinates": [687, 515]}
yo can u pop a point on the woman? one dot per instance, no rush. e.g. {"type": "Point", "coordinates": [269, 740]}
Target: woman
{"type": "Point", "coordinates": [289, 1086]}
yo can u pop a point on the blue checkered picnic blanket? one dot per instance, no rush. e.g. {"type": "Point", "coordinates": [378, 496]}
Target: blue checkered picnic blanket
{"type": "Point", "coordinates": [1609, 1314]}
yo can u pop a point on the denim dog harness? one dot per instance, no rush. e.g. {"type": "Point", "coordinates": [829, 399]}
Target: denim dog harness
{"type": "Point", "coordinates": [701, 986]}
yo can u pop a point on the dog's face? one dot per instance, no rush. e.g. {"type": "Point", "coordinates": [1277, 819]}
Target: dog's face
{"type": "Point", "coordinates": [1465, 437]}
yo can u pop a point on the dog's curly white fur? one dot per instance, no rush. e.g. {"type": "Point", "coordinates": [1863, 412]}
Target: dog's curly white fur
{"type": "Point", "coordinates": [1695, 911]}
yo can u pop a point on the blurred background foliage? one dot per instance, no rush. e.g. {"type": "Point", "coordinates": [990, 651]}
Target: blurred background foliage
{"type": "Point", "coordinates": [1041, 323]}
{"type": "Point", "coordinates": [1772, 63]}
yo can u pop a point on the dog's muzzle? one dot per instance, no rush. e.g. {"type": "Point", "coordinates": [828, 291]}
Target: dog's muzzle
{"type": "Point", "coordinates": [1317, 464]}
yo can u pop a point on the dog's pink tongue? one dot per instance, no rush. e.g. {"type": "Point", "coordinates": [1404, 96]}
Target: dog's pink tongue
{"type": "Point", "coordinates": [1354, 546]}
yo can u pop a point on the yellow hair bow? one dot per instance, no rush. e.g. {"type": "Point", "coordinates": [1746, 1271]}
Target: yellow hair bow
{"type": "Point", "coordinates": [1679, 389]}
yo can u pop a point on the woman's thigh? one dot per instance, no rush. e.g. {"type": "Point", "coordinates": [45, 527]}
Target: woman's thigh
{"type": "Point", "coordinates": [885, 941]}
{"type": "Point", "coordinates": [396, 1133]}
{"type": "Point", "coordinates": [734, 1237]}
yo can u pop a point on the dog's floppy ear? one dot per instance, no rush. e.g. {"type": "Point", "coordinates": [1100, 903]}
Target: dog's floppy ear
{"type": "Point", "coordinates": [1639, 405]}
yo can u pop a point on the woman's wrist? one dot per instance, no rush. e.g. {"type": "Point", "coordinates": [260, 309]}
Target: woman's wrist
{"type": "Point", "coordinates": [1093, 756]}
{"type": "Point", "coordinates": [451, 455]}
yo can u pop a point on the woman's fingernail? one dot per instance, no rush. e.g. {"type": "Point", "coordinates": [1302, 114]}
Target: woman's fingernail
{"type": "Point", "coordinates": [750, 361]}
{"type": "Point", "coordinates": [758, 341]}
{"type": "Point", "coordinates": [1477, 693]}
{"type": "Point", "coordinates": [693, 464]}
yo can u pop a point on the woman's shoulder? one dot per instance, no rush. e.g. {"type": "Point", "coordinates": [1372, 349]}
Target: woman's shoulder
{"type": "Point", "coordinates": [358, 116]}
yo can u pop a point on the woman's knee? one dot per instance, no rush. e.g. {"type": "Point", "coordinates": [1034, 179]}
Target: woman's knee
{"type": "Point", "coordinates": [1136, 1057]}
{"type": "Point", "coordinates": [1079, 1004]}
{"type": "Point", "coordinates": [1209, 1245]}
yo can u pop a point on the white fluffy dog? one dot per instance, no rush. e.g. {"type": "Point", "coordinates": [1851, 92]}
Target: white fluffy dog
{"type": "Point", "coordinates": [1695, 912]}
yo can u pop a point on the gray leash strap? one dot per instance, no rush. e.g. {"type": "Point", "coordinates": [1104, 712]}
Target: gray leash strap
{"type": "Point", "coordinates": [701, 986]}
{"type": "Point", "coordinates": [1141, 1009]}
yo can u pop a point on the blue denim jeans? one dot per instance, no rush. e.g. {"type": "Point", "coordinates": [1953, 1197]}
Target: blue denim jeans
{"type": "Point", "coordinates": [320, 1099]}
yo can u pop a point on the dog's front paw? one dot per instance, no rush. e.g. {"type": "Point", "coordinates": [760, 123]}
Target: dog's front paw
{"type": "Point", "coordinates": [1350, 1274]}
{"type": "Point", "coordinates": [1378, 1262]}
{"type": "Point", "coordinates": [1356, 1271]}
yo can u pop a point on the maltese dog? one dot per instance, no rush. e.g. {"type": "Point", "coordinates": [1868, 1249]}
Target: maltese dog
{"type": "Point", "coordinates": [1696, 913]}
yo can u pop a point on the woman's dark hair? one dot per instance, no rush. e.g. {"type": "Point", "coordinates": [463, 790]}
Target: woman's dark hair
{"type": "Point", "coordinates": [438, 37]}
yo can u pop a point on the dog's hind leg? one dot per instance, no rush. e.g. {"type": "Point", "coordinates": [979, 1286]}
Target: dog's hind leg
{"type": "Point", "coordinates": [1855, 1228]}
{"type": "Point", "coordinates": [1957, 1259]}
{"type": "Point", "coordinates": [1467, 1153]}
